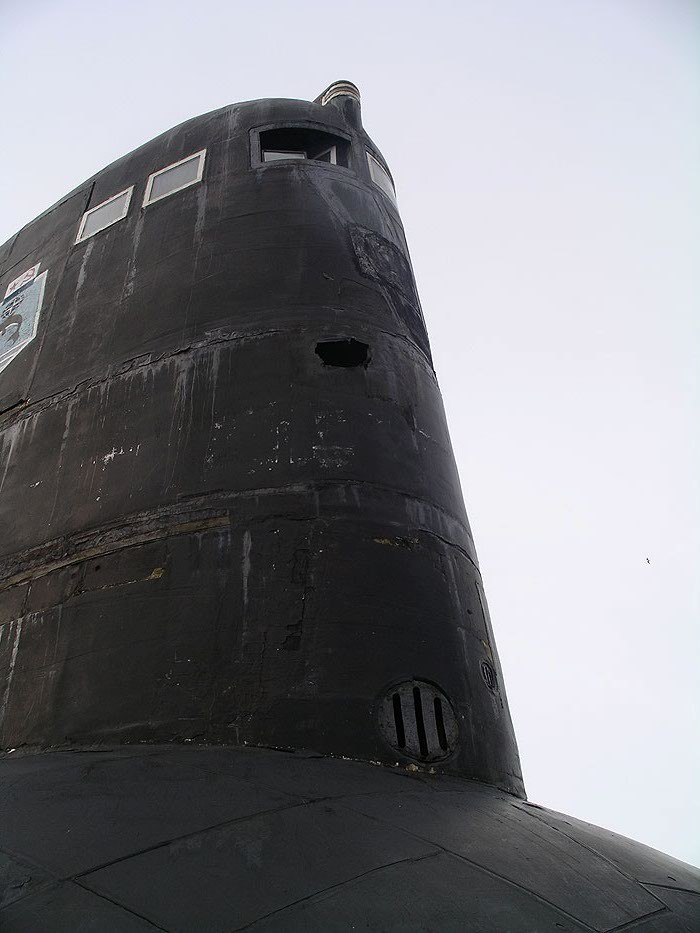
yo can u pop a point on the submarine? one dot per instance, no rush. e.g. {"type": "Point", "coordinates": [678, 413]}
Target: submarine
{"type": "Point", "coordinates": [248, 676]}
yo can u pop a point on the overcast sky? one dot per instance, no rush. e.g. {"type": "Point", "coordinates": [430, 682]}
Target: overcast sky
{"type": "Point", "coordinates": [546, 158]}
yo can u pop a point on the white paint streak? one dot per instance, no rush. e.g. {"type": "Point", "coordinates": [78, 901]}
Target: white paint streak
{"type": "Point", "coordinates": [112, 454]}
{"type": "Point", "coordinates": [11, 670]}
{"type": "Point", "coordinates": [132, 270]}
{"type": "Point", "coordinates": [64, 439]}
{"type": "Point", "coordinates": [10, 438]}
{"type": "Point", "coordinates": [83, 269]}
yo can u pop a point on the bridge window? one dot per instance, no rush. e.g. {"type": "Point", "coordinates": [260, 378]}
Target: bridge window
{"type": "Point", "coordinates": [301, 143]}
{"type": "Point", "coordinates": [381, 177]}
{"type": "Point", "coordinates": [104, 215]}
{"type": "Point", "coordinates": [174, 177]}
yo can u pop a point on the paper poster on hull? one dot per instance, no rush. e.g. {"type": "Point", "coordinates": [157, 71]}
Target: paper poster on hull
{"type": "Point", "coordinates": [19, 314]}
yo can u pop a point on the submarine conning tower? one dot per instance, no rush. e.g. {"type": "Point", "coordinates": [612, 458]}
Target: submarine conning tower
{"type": "Point", "coordinates": [229, 508]}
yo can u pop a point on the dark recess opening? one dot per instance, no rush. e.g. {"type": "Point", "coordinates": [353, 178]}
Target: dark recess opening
{"type": "Point", "coordinates": [298, 142]}
{"type": "Point", "coordinates": [398, 722]}
{"type": "Point", "coordinates": [343, 352]}
{"type": "Point", "coordinates": [440, 723]}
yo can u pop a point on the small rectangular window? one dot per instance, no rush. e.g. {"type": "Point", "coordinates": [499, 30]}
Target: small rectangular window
{"type": "Point", "coordinates": [104, 215]}
{"type": "Point", "coordinates": [174, 177]}
{"type": "Point", "coordinates": [381, 177]}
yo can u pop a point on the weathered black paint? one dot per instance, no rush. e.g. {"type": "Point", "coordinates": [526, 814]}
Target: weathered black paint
{"type": "Point", "coordinates": [210, 531]}
{"type": "Point", "coordinates": [223, 839]}
{"type": "Point", "coordinates": [229, 513]}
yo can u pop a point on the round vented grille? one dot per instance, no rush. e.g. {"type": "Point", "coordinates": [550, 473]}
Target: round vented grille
{"type": "Point", "coordinates": [417, 720]}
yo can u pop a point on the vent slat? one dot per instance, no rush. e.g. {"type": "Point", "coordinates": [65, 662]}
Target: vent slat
{"type": "Point", "coordinates": [417, 720]}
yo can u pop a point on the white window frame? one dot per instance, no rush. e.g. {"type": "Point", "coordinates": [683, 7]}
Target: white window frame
{"type": "Point", "coordinates": [147, 199]}
{"type": "Point", "coordinates": [372, 159]}
{"type": "Point", "coordinates": [333, 150]}
{"type": "Point", "coordinates": [127, 191]}
{"type": "Point", "coordinates": [292, 155]}
{"type": "Point", "coordinates": [289, 155]}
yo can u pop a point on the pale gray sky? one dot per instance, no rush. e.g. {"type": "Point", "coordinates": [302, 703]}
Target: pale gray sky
{"type": "Point", "coordinates": [546, 157]}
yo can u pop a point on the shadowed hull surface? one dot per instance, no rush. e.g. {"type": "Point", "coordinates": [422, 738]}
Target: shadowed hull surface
{"type": "Point", "coordinates": [222, 839]}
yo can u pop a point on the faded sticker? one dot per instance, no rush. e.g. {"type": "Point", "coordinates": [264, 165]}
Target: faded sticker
{"type": "Point", "coordinates": [19, 314]}
{"type": "Point", "coordinates": [23, 279]}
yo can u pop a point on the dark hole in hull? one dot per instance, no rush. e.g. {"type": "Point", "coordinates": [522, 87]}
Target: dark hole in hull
{"type": "Point", "coordinates": [347, 353]}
